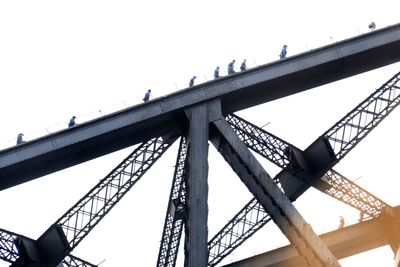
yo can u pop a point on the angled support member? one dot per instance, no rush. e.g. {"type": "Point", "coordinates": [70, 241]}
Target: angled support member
{"type": "Point", "coordinates": [68, 231]}
{"type": "Point", "coordinates": [273, 200]}
{"type": "Point", "coordinates": [174, 218]}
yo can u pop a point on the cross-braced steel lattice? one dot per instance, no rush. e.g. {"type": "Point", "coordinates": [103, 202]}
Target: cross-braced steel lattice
{"type": "Point", "coordinates": [174, 218]}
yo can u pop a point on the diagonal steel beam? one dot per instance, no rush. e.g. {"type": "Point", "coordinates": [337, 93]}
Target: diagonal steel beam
{"type": "Point", "coordinates": [174, 217]}
{"type": "Point", "coordinates": [279, 207]}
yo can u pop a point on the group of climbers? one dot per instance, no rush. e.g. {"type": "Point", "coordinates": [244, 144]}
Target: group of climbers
{"type": "Point", "coordinates": [20, 136]}
{"type": "Point", "coordinates": [243, 66]}
{"type": "Point", "coordinates": [231, 70]}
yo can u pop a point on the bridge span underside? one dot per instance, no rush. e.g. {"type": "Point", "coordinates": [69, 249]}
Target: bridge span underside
{"type": "Point", "coordinates": [165, 115]}
{"type": "Point", "coordinates": [343, 243]}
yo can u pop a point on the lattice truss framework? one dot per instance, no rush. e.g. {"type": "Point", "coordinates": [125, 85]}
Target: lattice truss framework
{"type": "Point", "coordinates": [174, 218]}
{"type": "Point", "coordinates": [77, 222]}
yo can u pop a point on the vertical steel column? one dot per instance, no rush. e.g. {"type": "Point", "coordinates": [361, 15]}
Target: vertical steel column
{"type": "Point", "coordinates": [196, 253]}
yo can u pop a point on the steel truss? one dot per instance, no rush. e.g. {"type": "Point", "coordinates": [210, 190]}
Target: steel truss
{"type": "Point", "coordinates": [340, 187]}
{"type": "Point", "coordinates": [352, 128]}
{"type": "Point", "coordinates": [174, 218]}
{"type": "Point", "coordinates": [9, 250]}
{"type": "Point", "coordinates": [350, 193]}
{"type": "Point", "coordinates": [87, 212]}
{"type": "Point", "coordinates": [247, 222]}
{"type": "Point", "coordinates": [72, 261]}
{"type": "Point", "coordinates": [8, 246]}
{"type": "Point", "coordinates": [78, 221]}
{"type": "Point", "coordinates": [379, 105]}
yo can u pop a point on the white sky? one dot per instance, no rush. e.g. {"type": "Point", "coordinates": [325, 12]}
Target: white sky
{"type": "Point", "coordinates": [64, 58]}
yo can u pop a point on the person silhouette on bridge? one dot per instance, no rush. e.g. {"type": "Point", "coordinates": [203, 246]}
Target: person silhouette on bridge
{"type": "Point", "coordinates": [372, 26]}
{"type": "Point", "coordinates": [20, 139]}
{"type": "Point", "coordinates": [191, 83]}
{"type": "Point", "coordinates": [72, 122]}
{"type": "Point", "coordinates": [283, 52]}
{"type": "Point", "coordinates": [243, 67]}
{"type": "Point", "coordinates": [216, 73]}
{"type": "Point", "coordinates": [341, 222]}
{"type": "Point", "coordinates": [231, 67]}
{"type": "Point", "coordinates": [147, 96]}
{"type": "Point", "coordinates": [361, 218]}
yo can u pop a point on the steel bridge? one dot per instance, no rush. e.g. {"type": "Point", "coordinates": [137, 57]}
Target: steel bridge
{"type": "Point", "coordinates": [204, 114]}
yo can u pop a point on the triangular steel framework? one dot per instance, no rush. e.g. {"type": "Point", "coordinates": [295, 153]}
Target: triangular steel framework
{"type": "Point", "coordinates": [188, 201]}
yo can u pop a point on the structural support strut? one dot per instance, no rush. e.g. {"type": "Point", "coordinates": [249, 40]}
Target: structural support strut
{"type": "Point", "coordinates": [279, 207]}
{"type": "Point", "coordinates": [196, 254]}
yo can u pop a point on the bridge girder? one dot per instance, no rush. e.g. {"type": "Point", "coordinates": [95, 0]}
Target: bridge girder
{"type": "Point", "coordinates": [345, 242]}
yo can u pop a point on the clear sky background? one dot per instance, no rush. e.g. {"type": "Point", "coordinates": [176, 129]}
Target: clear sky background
{"type": "Point", "coordinates": [85, 58]}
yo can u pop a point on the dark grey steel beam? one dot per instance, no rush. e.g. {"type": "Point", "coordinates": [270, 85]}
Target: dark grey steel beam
{"type": "Point", "coordinates": [133, 125]}
{"type": "Point", "coordinates": [345, 242]}
{"type": "Point", "coordinates": [196, 254]}
{"type": "Point", "coordinates": [273, 200]}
